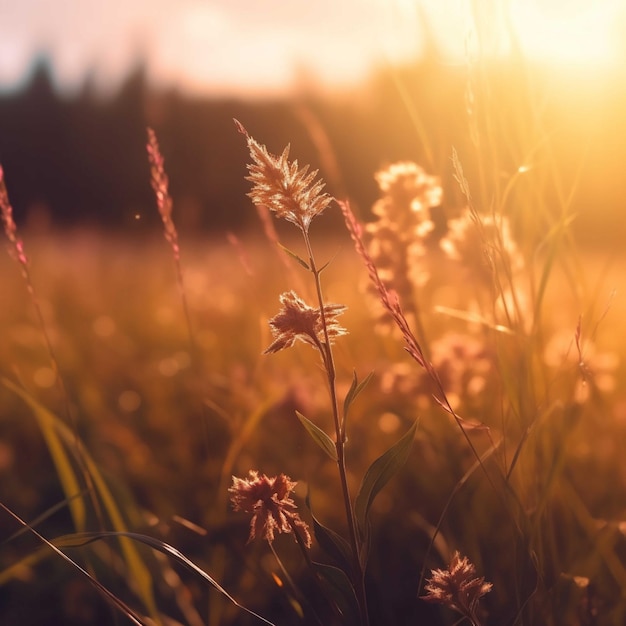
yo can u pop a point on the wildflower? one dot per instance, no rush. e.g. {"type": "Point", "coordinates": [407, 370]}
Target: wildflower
{"type": "Point", "coordinates": [409, 192]}
{"type": "Point", "coordinates": [269, 502]}
{"type": "Point", "coordinates": [457, 587]}
{"type": "Point", "coordinates": [278, 184]}
{"type": "Point", "coordinates": [297, 320]}
{"type": "Point", "coordinates": [398, 241]}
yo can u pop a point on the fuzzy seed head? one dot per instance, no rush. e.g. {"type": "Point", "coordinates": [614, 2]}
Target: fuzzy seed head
{"type": "Point", "coordinates": [457, 587]}
{"type": "Point", "coordinates": [267, 499]}
{"type": "Point", "coordinates": [292, 193]}
{"type": "Point", "coordinates": [296, 320]}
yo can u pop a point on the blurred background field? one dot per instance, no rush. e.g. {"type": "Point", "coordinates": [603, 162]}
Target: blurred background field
{"type": "Point", "coordinates": [168, 434]}
{"type": "Point", "coordinates": [541, 135]}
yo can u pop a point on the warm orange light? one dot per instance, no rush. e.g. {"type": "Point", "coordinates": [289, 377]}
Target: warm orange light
{"type": "Point", "coordinates": [581, 32]}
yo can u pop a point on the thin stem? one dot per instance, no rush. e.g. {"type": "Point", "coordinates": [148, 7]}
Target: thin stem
{"type": "Point", "coordinates": [10, 229]}
{"type": "Point", "coordinates": [327, 356]}
{"type": "Point", "coordinates": [294, 587]}
{"type": "Point", "coordinates": [311, 566]}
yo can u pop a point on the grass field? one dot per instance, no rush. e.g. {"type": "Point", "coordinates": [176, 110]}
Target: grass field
{"type": "Point", "coordinates": [167, 427]}
{"type": "Point", "coordinates": [447, 449]}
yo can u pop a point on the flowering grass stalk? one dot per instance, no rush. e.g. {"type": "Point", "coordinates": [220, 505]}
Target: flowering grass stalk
{"type": "Point", "coordinates": [294, 195]}
{"type": "Point", "coordinates": [160, 185]}
{"type": "Point", "coordinates": [68, 477]}
{"type": "Point", "coordinates": [19, 253]}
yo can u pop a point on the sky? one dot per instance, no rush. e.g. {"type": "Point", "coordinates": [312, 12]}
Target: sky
{"type": "Point", "coordinates": [250, 47]}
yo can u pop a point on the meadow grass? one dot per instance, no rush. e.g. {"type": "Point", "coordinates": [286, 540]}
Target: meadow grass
{"type": "Point", "coordinates": [455, 455]}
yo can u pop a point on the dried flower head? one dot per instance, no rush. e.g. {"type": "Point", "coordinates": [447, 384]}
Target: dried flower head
{"type": "Point", "coordinates": [271, 507]}
{"type": "Point", "coordinates": [278, 184]}
{"type": "Point", "coordinates": [297, 320]}
{"type": "Point", "coordinates": [457, 587]}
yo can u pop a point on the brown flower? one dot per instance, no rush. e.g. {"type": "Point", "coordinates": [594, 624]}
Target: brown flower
{"type": "Point", "coordinates": [297, 320]}
{"type": "Point", "coordinates": [457, 587]}
{"type": "Point", "coordinates": [269, 502]}
{"type": "Point", "coordinates": [279, 185]}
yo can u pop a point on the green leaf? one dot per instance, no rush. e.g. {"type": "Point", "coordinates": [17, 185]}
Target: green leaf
{"type": "Point", "coordinates": [319, 436]}
{"type": "Point", "coordinates": [378, 475]}
{"type": "Point", "coordinates": [333, 544]}
{"type": "Point", "coordinates": [355, 389]}
{"type": "Point", "coordinates": [294, 256]}
{"type": "Point", "coordinates": [339, 588]}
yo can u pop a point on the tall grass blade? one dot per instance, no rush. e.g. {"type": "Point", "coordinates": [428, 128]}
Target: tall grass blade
{"type": "Point", "coordinates": [60, 457]}
{"type": "Point", "coordinates": [39, 519]}
{"type": "Point", "coordinates": [139, 574]}
{"type": "Point", "coordinates": [111, 597]}
{"type": "Point", "coordinates": [80, 539]}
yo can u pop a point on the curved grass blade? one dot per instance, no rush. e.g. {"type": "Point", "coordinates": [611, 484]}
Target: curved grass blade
{"type": "Point", "coordinates": [138, 572]}
{"type": "Point", "coordinates": [81, 539]}
{"type": "Point", "coordinates": [378, 475]}
{"type": "Point", "coordinates": [60, 457]}
{"type": "Point", "coordinates": [319, 436]}
{"type": "Point", "coordinates": [121, 605]}
{"type": "Point", "coordinates": [40, 518]}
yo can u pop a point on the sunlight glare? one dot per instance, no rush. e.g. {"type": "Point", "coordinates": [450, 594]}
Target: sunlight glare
{"type": "Point", "coordinates": [568, 31]}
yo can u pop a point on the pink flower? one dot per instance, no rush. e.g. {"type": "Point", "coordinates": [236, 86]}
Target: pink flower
{"type": "Point", "coordinates": [271, 507]}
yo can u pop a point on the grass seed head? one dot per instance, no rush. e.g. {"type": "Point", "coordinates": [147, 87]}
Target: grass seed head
{"type": "Point", "coordinates": [292, 193]}
{"type": "Point", "coordinates": [457, 587]}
